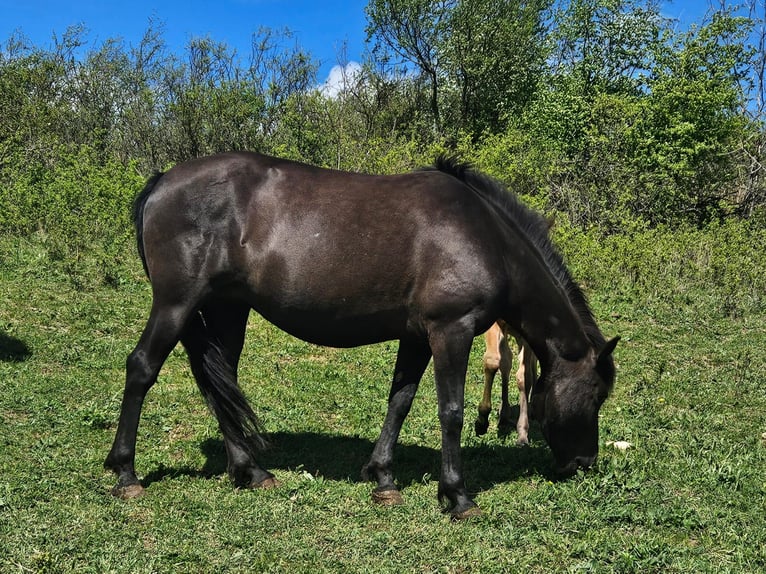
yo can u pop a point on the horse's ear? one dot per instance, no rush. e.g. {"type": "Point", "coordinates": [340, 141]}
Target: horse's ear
{"type": "Point", "coordinates": [607, 349]}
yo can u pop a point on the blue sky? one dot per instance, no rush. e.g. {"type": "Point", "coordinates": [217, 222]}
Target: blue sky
{"type": "Point", "coordinates": [321, 27]}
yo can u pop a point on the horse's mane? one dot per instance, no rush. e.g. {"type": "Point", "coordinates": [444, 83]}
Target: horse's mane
{"type": "Point", "coordinates": [532, 226]}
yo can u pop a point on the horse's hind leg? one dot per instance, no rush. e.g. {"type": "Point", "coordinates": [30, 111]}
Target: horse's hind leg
{"type": "Point", "coordinates": [160, 335]}
{"type": "Point", "coordinates": [214, 341]}
{"type": "Point", "coordinates": [411, 362]}
{"type": "Point", "coordinates": [522, 425]}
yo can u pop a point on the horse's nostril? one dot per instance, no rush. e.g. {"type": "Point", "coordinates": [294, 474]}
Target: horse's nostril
{"type": "Point", "coordinates": [585, 461]}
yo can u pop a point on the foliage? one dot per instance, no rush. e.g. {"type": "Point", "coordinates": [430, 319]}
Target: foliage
{"type": "Point", "coordinates": [493, 70]}
{"type": "Point", "coordinates": [80, 210]}
{"type": "Point", "coordinates": [414, 30]}
{"type": "Point", "coordinates": [599, 110]}
{"type": "Point", "coordinates": [692, 114]}
{"type": "Point", "coordinates": [716, 269]}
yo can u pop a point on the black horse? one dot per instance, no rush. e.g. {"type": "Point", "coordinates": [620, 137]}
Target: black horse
{"type": "Point", "coordinates": [430, 258]}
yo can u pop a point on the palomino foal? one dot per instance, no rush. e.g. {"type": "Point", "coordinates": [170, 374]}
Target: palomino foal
{"type": "Point", "coordinates": [497, 356]}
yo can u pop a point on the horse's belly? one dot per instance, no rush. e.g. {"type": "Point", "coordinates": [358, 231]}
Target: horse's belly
{"type": "Point", "coordinates": [356, 293]}
{"type": "Point", "coordinates": [333, 329]}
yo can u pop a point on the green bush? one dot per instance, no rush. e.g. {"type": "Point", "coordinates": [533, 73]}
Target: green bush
{"type": "Point", "coordinates": [74, 212]}
{"type": "Point", "coordinates": [720, 266]}
{"type": "Point", "coordinates": [77, 207]}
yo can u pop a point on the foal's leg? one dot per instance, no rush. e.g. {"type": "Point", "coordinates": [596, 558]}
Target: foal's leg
{"type": "Point", "coordinates": [451, 347]}
{"type": "Point", "coordinates": [522, 425]}
{"type": "Point", "coordinates": [214, 341]}
{"type": "Point", "coordinates": [411, 361]}
{"type": "Point", "coordinates": [491, 363]}
{"type": "Point", "coordinates": [505, 419]}
{"type": "Point", "coordinates": [525, 378]}
{"type": "Point", "coordinates": [160, 335]}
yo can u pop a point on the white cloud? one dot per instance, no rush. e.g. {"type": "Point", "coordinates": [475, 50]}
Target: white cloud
{"type": "Point", "coordinates": [339, 78]}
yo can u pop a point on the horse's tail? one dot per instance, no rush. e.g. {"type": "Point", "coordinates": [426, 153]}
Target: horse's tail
{"type": "Point", "coordinates": [138, 215]}
{"type": "Point", "coordinates": [215, 372]}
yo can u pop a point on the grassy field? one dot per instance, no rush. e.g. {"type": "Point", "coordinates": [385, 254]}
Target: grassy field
{"type": "Point", "coordinates": [688, 496]}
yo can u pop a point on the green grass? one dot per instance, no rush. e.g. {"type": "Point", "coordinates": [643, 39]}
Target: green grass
{"type": "Point", "coordinates": [689, 496]}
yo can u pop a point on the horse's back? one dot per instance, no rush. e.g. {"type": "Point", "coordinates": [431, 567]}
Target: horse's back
{"type": "Point", "coordinates": [310, 247]}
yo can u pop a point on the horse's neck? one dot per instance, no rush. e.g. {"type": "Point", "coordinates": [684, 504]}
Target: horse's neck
{"type": "Point", "coordinates": [549, 322]}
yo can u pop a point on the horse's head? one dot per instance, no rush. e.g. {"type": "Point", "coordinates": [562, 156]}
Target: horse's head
{"type": "Point", "coordinates": [566, 400]}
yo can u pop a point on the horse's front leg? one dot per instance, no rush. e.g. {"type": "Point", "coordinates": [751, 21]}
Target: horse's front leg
{"type": "Point", "coordinates": [451, 348]}
{"type": "Point", "coordinates": [411, 361]}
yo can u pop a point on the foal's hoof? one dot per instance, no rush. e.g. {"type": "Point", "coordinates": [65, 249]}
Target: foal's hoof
{"type": "Point", "coordinates": [267, 483]}
{"type": "Point", "coordinates": [522, 441]}
{"type": "Point", "coordinates": [470, 512]}
{"type": "Point", "coordinates": [387, 497]}
{"type": "Point", "coordinates": [480, 427]}
{"type": "Point", "coordinates": [128, 492]}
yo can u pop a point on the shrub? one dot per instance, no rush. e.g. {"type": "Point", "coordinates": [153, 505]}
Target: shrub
{"type": "Point", "coordinates": [720, 265]}
{"type": "Point", "coordinates": [77, 207]}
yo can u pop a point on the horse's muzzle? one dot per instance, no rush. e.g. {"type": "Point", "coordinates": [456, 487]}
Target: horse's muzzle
{"type": "Point", "coordinates": [569, 469]}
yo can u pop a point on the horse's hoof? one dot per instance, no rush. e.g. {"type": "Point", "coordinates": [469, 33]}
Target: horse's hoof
{"type": "Point", "coordinates": [267, 483]}
{"type": "Point", "coordinates": [470, 512]}
{"type": "Point", "coordinates": [522, 441]}
{"type": "Point", "coordinates": [387, 497]}
{"type": "Point", "coordinates": [128, 492]}
{"type": "Point", "coordinates": [480, 427]}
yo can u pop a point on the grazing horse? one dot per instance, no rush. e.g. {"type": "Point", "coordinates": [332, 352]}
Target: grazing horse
{"type": "Point", "coordinates": [497, 357]}
{"type": "Point", "coordinates": [431, 259]}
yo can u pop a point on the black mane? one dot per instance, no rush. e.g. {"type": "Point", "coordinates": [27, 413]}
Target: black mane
{"type": "Point", "coordinates": [533, 226]}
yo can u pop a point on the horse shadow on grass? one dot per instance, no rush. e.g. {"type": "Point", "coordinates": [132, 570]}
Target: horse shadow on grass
{"type": "Point", "coordinates": [13, 350]}
{"type": "Point", "coordinates": [337, 457]}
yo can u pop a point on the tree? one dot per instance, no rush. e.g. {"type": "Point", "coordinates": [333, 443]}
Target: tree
{"type": "Point", "coordinates": [751, 194]}
{"type": "Point", "coordinates": [414, 30]}
{"type": "Point", "coordinates": [687, 137]}
{"type": "Point", "coordinates": [495, 53]}
{"type": "Point", "coordinates": [214, 104]}
{"type": "Point", "coordinates": [579, 122]}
